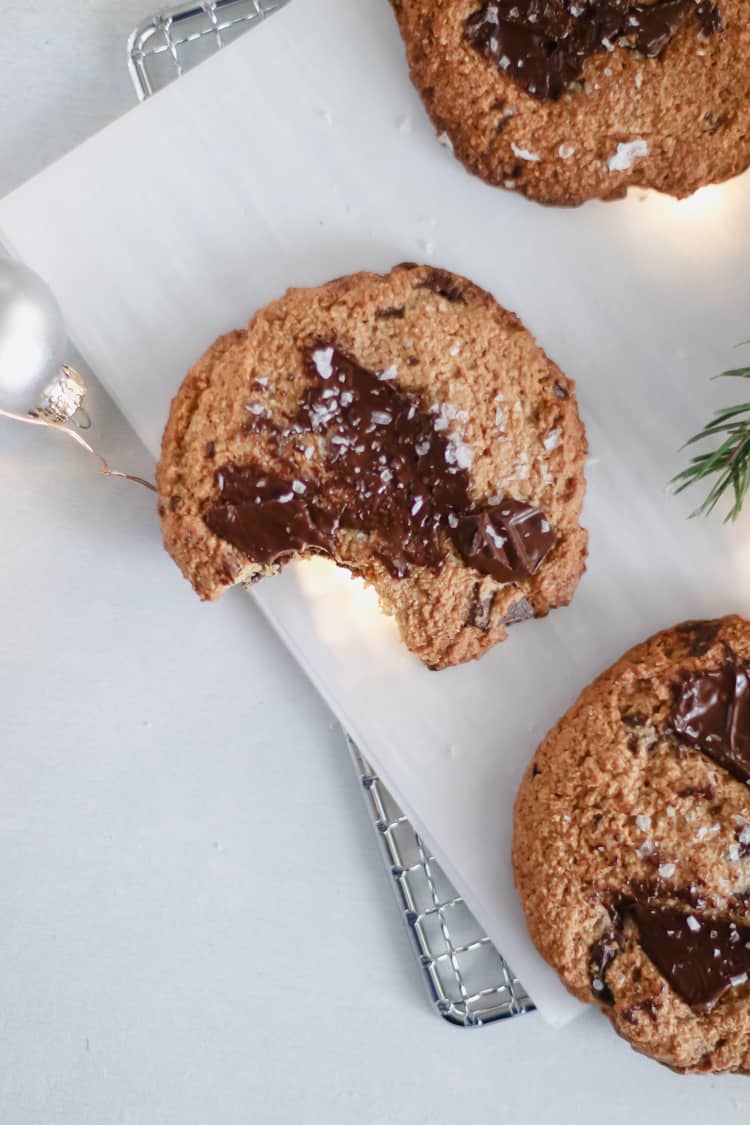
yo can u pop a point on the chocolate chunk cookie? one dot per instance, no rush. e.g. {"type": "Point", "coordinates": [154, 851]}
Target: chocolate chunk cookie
{"type": "Point", "coordinates": [405, 426]}
{"type": "Point", "coordinates": [568, 100]}
{"type": "Point", "coordinates": [632, 846]}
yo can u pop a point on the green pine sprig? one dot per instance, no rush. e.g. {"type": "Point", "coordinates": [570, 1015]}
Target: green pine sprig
{"type": "Point", "coordinates": [728, 464]}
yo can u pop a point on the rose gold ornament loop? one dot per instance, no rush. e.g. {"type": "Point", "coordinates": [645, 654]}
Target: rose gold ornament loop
{"type": "Point", "coordinates": [31, 420]}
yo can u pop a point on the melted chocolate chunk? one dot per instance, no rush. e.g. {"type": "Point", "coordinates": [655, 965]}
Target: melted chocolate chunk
{"type": "Point", "coordinates": [601, 956]}
{"type": "Point", "coordinates": [480, 609]}
{"type": "Point", "coordinates": [388, 471]}
{"type": "Point", "coordinates": [711, 713]}
{"type": "Point", "coordinates": [653, 890]}
{"type": "Point", "coordinates": [703, 791]}
{"type": "Point", "coordinates": [710, 18]}
{"type": "Point", "coordinates": [266, 517]}
{"type": "Point", "coordinates": [543, 44]}
{"type": "Point", "coordinates": [445, 285]}
{"type": "Point", "coordinates": [701, 958]}
{"type": "Point", "coordinates": [634, 719]}
{"type": "Point", "coordinates": [703, 634]}
{"type": "Point", "coordinates": [632, 1013]}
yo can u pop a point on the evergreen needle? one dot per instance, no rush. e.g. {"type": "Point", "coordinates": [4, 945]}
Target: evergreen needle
{"type": "Point", "coordinates": [726, 468]}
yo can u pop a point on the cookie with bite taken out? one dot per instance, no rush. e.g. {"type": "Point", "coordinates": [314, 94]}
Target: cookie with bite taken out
{"type": "Point", "coordinates": [405, 426]}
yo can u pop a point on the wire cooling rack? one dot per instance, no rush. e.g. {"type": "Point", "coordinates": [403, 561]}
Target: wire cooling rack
{"type": "Point", "coordinates": [166, 45]}
{"type": "Point", "coordinates": [469, 983]}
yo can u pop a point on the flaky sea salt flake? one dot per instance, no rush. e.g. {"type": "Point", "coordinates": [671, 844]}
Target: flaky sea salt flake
{"type": "Point", "coordinates": [495, 536]}
{"type": "Point", "coordinates": [323, 360]}
{"type": "Point", "coordinates": [627, 154]}
{"type": "Point", "coordinates": [524, 153]}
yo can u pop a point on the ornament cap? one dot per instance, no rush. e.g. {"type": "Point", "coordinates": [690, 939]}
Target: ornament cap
{"type": "Point", "coordinates": [62, 399]}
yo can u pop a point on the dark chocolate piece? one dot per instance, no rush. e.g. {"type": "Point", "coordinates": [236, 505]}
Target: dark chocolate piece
{"type": "Point", "coordinates": [711, 713]}
{"type": "Point", "coordinates": [543, 44]}
{"type": "Point", "coordinates": [522, 610]}
{"type": "Point", "coordinates": [701, 958]}
{"type": "Point", "coordinates": [388, 471]}
{"type": "Point", "coordinates": [508, 542]}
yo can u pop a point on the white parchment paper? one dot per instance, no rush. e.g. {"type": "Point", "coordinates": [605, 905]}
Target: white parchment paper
{"type": "Point", "coordinates": [301, 153]}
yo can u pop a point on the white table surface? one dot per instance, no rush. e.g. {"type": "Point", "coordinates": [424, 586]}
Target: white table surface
{"type": "Point", "coordinates": [175, 943]}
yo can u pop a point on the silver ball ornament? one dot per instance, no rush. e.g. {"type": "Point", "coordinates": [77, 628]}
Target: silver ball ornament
{"type": "Point", "coordinates": [33, 378]}
{"type": "Point", "coordinates": [36, 387]}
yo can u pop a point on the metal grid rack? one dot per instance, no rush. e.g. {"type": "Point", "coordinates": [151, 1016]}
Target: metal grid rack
{"type": "Point", "coordinates": [469, 982]}
{"type": "Point", "coordinates": [166, 45]}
